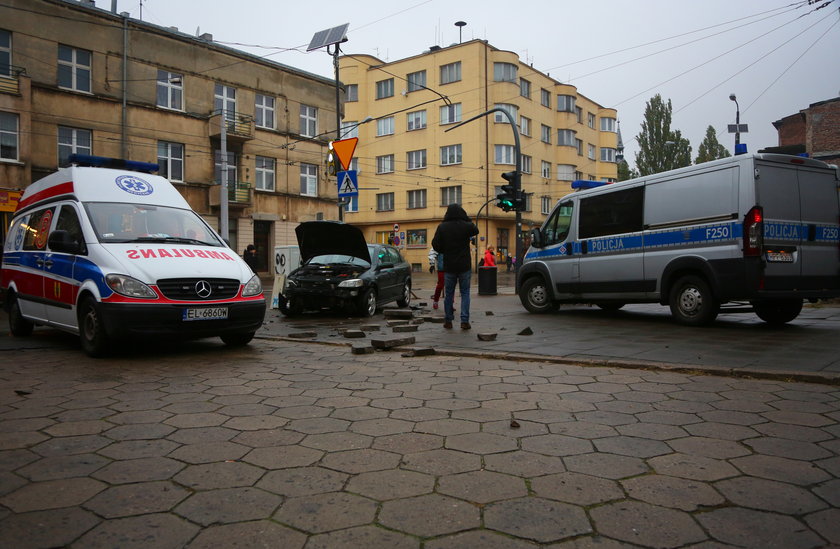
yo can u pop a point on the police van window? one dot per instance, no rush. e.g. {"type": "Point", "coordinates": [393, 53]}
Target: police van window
{"type": "Point", "coordinates": [68, 220]}
{"type": "Point", "coordinates": [612, 213]}
{"type": "Point", "coordinates": [557, 227]}
{"type": "Point", "coordinates": [38, 229]}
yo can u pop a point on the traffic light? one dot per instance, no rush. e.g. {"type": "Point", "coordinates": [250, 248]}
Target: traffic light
{"type": "Point", "coordinates": [332, 163]}
{"type": "Point", "coordinates": [511, 198]}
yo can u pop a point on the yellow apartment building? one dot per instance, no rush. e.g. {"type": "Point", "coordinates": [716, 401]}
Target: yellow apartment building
{"type": "Point", "coordinates": [410, 168]}
{"type": "Point", "coordinates": [78, 79]}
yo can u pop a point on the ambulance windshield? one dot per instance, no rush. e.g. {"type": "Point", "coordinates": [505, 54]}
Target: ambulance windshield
{"type": "Point", "coordinates": [117, 222]}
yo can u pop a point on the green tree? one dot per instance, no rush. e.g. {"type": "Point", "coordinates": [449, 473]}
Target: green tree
{"type": "Point", "coordinates": [625, 172]}
{"type": "Point", "coordinates": [710, 149]}
{"type": "Point", "coordinates": [660, 148]}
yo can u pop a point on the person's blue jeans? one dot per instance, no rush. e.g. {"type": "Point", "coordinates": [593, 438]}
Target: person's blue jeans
{"type": "Point", "coordinates": [463, 281]}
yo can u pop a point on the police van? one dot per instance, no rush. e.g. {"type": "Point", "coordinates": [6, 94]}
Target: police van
{"type": "Point", "coordinates": [759, 232]}
{"type": "Point", "coordinates": [115, 252]}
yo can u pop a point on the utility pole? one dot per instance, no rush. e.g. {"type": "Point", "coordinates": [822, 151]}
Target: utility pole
{"type": "Point", "coordinates": [223, 190]}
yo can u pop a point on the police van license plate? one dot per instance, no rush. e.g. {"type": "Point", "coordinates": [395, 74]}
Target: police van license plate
{"type": "Point", "coordinates": [780, 257]}
{"type": "Point", "coordinates": [206, 313]}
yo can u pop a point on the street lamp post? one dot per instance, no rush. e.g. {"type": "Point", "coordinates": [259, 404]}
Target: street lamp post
{"type": "Point", "coordinates": [737, 120]}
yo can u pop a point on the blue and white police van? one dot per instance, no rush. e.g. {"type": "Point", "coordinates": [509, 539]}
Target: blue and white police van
{"type": "Point", "coordinates": [116, 252]}
{"type": "Point", "coordinates": [760, 232]}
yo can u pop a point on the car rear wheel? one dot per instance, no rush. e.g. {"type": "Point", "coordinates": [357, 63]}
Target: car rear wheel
{"type": "Point", "coordinates": [778, 311]}
{"type": "Point", "coordinates": [91, 331]}
{"type": "Point", "coordinates": [18, 325]}
{"type": "Point", "coordinates": [237, 340]}
{"type": "Point", "coordinates": [367, 303]}
{"type": "Point", "coordinates": [405, 298]}
{"type": "Point", "coordinates": [535, 296]}
{"type": "Point", "coordinates": [692, 302]}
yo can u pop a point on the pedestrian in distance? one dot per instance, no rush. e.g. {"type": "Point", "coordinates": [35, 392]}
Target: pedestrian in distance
{"type": "Point", "coordinates": [436, 263]}
{"type": "Point", "coordinates": [452, 239]}
{"type": "Point", "coordinates": [489, 257]}
{"type": "Point", "coordinates": [508, 262]}
{"type": "Point", "coordinates": [250, 257]}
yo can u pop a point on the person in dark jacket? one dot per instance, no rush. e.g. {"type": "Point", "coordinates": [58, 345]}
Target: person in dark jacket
{"type": "Point", "coordinates": [452, 239]}
{"type": "Point", "coordinates": [250, 257]}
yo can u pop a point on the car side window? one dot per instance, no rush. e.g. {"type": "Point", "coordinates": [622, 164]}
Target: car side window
{"type": "Point", "coordinates": [557, 227]}
{"type": "Point", "coordinates": [38, 229]}
{"type": "Point", "coordinates": [68, 220]}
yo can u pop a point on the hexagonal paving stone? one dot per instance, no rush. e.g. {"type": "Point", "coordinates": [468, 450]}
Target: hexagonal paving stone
{"type": "Point", "coordinates": [359, 413]}
{"type": "Point", "coordinates": [537, 518]}
{"type": "Point", "coordinates": [482, 486]}
{"type": "Point", "coordinates": [391, 484]}
{"type": "Point", "coordinates": [576, 488]}
{"type": "Point", "coordinates": [362, 536]}
{"type": "Point", "coordinates": [556, 445]}
{"type": "Point", "coordinates": [139, 470]}
{"type": "Point", "coordinates": [132, 449]}
{"type": "Point", "coordinates": [201, 435]}
{"type": "Point", "coordinates": [382, 427]}
{"type": "Point", "coordinates": [606, 418]}
{"type": "Point", "coordinates": [647, 525]}
{"type": "Point", "coordinates": [155, 530]}
{"type": "Point", "coordinates": [792, 471]}
{"type": "Point", "coordinates": [361, 461]}
{"type": "Point", "coordinates": [65, 446]}
{"type": "Point", "coordinates": [335, 442]}
{"type": "Point", "coordinates": [408, 443]}
{"type": "Point", "coordinates": [52, 494]}
{"type": "Point", "coordinates": [262, 533]}
{"type": "Point", "coordinates": [265, 438]}
{"type": "Point", "coordinates": [326, 512]}
{"type": "Point", "coordinates": [748, 528]}
{"type": "Point", "coordinates": [57, 467]}
{"type": "Point", "coordinates": [524, 464]}
{"type": "Point", "coordinates": [302, 481]}
{"type": "Point", "coordinates": [793, 449]}
{"type": "Point", "coordinates": [442, 462]}
{"type": "Point", "coordinates": [223, 474]}
{"type": "Point", "coordinates": [53, 528]}
{"type": "Point", "coordinates": [229, 505]}
{"type": "Point", "coordinates": [584, 429]}
{"type": "Point", "coordinates": [632, 446]}
{"type": "Point", "coordinates": [481, 443]}
{"type": "Point", "coordinates": [692, 467]}
{"type": "Point", "coordinates": [312, 426]}
{"type": "Point", "coordinates": [721, 431]}
{"type": "Point", "coordinates": [429, 515]}
{"type": "Point", "coordinates": [825, 523]}
{"type": "Point", "coordinates": [485, 539]}
{"type": "Point", "coordinates": [255, 423]}
{"type": "Point", "coordinates": [676, 493]}
{"type": "Point", "coordinates": [137, 499]}
{"type": "Point", "coordinates": [709, 447]}
{"type": "Point", "coordinates": [606, 465]}
{"type": "Point", "coordinates": [769, 495]}
{"type": "Point", "coordinates": [139, 431]}
{"type": "Point", "coordinates": [209, 452]}
{"type": "Point", "coordinates": [282, 457]}
{"type": "Point", "coordinates": [447, 427]}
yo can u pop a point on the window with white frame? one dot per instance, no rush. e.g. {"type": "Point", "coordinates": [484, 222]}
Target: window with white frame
{"type": "Point", "coordinates": [566, 138]}
{"type": "Point", "coordinates": [565, 172]}
{"type": "Point", "coordinates": [353, 205]}
{"type": "Point", "coordinates": [590, 120]}
{"type": "Point", "coordinates": [5, 53]}
{"type": "Point", "coordinates": [384, 202]}
{"type": "Point", "coordinates": [224, 97]}
{"type": "Point", "coordinates": [416, 199]}
{"type": "Point", "coordinates": [416, 120]}
{"type": "Point", "coordinates": [450, 73]}
{"type": "Point", "coordinates": [385, 163]}
{"type": "Point", "coordinates": [73, 141]}
{"type": "Point", "coordinates": [9, 136]}
{"type": "Point", "coordinates": [264, 111]}
{"type": "Point", "coordinates": [170, 90]}
{"type": "Point", "coordinates": [607, 124]}
{"type": "Point", "coordinates": [546, 169]}
{"type": "Point", "coordinates": [545, 98]}
{"type": "Point", "coordinates": [354, 165]}
{"type": "Point", "coordinates": [385, 88]}
{"type": "Point", "coordinates": [607, 154]}
{"type": "Point", "coordinates": [525, 126]}
{"type": "Point", "coordinates": [505, 154]}
{"type": "Point", "coordinates": [590, 151]}
{"type": "Point", "coordinates": [230, 164]}
{"type": "Point", "coordinates": [385, 126]}
{"type": "Point", "coordinates": [450, 195]}
{"type": "Point", "coordinates": [566, 103]}
{"type": "Point", "coordinates": [416, 81]}
{"type": "Point", "coordinates": [264, 173]}
{"type": "Point", "coordinates": [545, 134]}
{"type": "Point", "coordinates": [349, 128]}
{"type": "Point", "coordinates": [545, 205]}
{"type": "Point", "coordinates": [170, 159]}
{"type": "Point", "coordinates": [450, 154]}
{"type": "Point", "coordinates": [74, 68]}
{"type": "Point", "coordinates": [416, 160]}
{"type": "Point", "coordinates": [308, 121]}
{"type": "Point", "coordinates": [450, 114]}
{"type": "Point", "coordinates": [504, 72]}
{"type": "Point", "coordinates": [525, 88]}
{"type": "Point", "coordinates": [526, 163]}
{"type": "Point", "coordinates": [512, 110]}
{"type": "Point", "coordinates": [351, 93]}
{"type": "Point", "coordinates": [308, 179]}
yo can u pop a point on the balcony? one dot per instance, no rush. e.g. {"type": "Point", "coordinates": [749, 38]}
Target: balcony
{"type": "Point", "coordinates": [239, 126]}
{"type": "Point", "coordinates": [239, 194]}
{"type": "Point", "coordinates": [10, 79]}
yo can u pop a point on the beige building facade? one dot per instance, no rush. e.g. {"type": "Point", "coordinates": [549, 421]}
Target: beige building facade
{"type": "Point", "coordinates": [411, 166]}
{"type": "Point", "coordinates": [77, 79]}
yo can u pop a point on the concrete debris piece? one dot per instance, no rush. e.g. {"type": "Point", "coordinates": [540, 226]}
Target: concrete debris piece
{"type": "Point", "coordinates": [392, 323]}
{"type": "Point", "coordinates": [303, 335]}
{"type": "Point", "coordinates": [435, 319]}
{"type": "Point", "coordinates": [370, 327]}
{"type": "Point", "coordinates": [405, 328]}
{"type": "Point", "coordinates": [424, 351]}
{"type": "Point", "coordinates": [526, 332]}
{"type": "Point", "coordinates": [489, 313]}
{"type": "Point", "coordinates": [361, 349]}
{"type": "Point", "coordinates": [391, 342]}
{"type": "Point", "coordinates": [354, 333]}
{"type": "Point", "coordinates": [485, 336]}
{"type": "Point", "coordinates": [398, 313]}
{"type": "Point", "coordinates": [417, 321]}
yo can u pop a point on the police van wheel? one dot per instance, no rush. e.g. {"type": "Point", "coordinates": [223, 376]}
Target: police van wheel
{"type": "Point", "coordinates": [19, 326]}
{"type": "Point", "coordinates": [779, 311]}
{"type": "Point", "coordinates": [535, 297]}
{"type": "Point", "coordinates": [692, 302]}
{"type": "Point", "coordinates": [237, 340]}
{"type": "Point", "coordinates": [91, 331]}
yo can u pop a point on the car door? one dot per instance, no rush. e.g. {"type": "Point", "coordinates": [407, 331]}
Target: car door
{"type": "Point", "coordinates": [388, 273]}
{"type": "Point", "coordinates": [30, 282]}
{"type": "Point", "coordinates": [60, 284]}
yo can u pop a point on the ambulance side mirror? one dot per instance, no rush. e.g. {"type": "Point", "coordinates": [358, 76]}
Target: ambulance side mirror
{"type": "Point", "coordinates": [61, 241]}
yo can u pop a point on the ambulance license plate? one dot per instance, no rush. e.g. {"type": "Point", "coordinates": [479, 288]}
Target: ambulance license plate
{"type": "Point", "coordinates": [206, 313]}
{"type": "Point", "coordinates": [780, 257]}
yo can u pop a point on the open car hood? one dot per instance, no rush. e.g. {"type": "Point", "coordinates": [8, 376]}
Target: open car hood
{"type": "Point", "coordinates": [330, 237]}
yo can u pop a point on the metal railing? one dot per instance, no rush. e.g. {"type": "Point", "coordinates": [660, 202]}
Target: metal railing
{"type": "Point", "coordinates": [239, 192]}
{"type": "Point", "coordinates": [10, 78]}
{"type": "Point", "coordinates": [237, 124]}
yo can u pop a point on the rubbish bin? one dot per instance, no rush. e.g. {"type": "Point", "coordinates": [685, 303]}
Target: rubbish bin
{"type": "Point", "coordinates": [487, 280]}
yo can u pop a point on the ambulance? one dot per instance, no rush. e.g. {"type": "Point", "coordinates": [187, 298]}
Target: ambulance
{"type": "Point", "coordinates": [107, 250]}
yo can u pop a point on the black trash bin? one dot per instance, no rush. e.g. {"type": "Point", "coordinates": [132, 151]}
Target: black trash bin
{"type": "Point", "coordinates": [487, 280]}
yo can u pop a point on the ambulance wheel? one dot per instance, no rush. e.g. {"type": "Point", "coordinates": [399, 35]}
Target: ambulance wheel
{"type": "Point", "coordinates": [237, 340]}
{"type": "Point", "coordinates": [405, 298]}
{"type": "Point", "coordinates": [778, 311]}
{"type": "Point", "coordinates": [692, 302]}
{"type": "Point", "coordinates": [91, 331]}
{"type": "Point", "coordinates": [367, 303]}
{"type": "Point", "coordinates": [19, 326]}
{"type": "Point", "coordinates": [535, 296]}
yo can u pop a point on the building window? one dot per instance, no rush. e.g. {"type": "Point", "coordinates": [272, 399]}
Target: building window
{"type": "Point", "coordinates": [308, 121]}
{"type": "Point", "coordinates": [545, 134]}
{"type": "Point", "coordinates": [264, 111]}
{"type": "Point", "coordinates": [450, 154]}
{"type": "Point", "coordinates": [353, 205]}
{"type": "Point", "coordinates": [505, 154]}
{"type": "Point", "coordinates": [416, 159]}
{"type": "Point", "coordinates": [385, 163]}
{"type": "Point", "coordinates": [450, 114]}
{"type": "Point", "coordinates": [525, 88]}
{"type": "Point", "coordinates": [170, 90]}
{"type": "Point", "coordinates": [416, 238]}
{"type": "Point", "coordinates": [590, 120]}
{"type": "Point", "coordinates": [385, 88]}
{"type": "Point", "coordinates": [384, 202]}
{"type": "Point", "coordinates": [224, 98]}
{"type": "Point", "coordinates": [8, 136]}
{"type": "Point", "coordinates": [566, 172]}
{"type": "Point", "coordinates": [590, 151]}
{"type": "Point", "coordinates": [566, 103]}
{"type": "Point", "coordinates": [579, 146]}
{"type": "Point", "coordinates": [450, 73]}
{"type": "Point", "coordinates": [525, 126]}
{"type": "Point", "coordinates": [526, 163]}
{"type": "Point", "coordinates": [231, 168]}
{"type": "Point", "coordinates": [607, 124]}
{"type": "Point", "coordinates": [351, 93]}
{"type": "Point", "coordinates": [74, 68]}
{"type": "Point", "coordinates": [349, 128]}
{"type": "Point", "coordinates": [416, 81]}
{"type": "Point", "coordinates": [545, 98]}
{"type": "Point", "coordinates": [545, 205]}
{"type": "Point", "coordinates": [579, 115]}
{"type": "Point", "coordinates": [308, 179]}
{"type": "Point", "coordinates": [416, 120]}
{"type": "Point", "coordinates": [354, 165]}
{"type": "Point", "coordinates": [512, 110]}
{"type": "Point", "coordinates": [546, 169]}
{"type": "Point", "coordinates": [607, 154]}
{"type": "Point", "coordinates": [579, 175]}
{"type": "Point", "coordinates": [416, 199]}
{"type": "Point", "coordinates": [450, 195]}
{"type": "Point", "coordinates": [5, 53]}
{"type": "Point", "coordinates": [504, 72]}
{"type": "Point", "coordinates": [170, 158]}
{"type": "Point", "coordinates": [566, 138]}
{"type": "Point", "coordinates": [73, 141]}
{"type": "Point", "coordinates": [264, 173]}
{"type": "Point", "coordinates": [385, 126]}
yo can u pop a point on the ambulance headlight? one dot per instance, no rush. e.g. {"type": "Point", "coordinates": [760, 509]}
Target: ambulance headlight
{"type": "Point", "coordinates": [129, 287]}
{"type": "Point", "coordinates": [253, 287]}
{"type": "Point", "coordinates": [352, 283]}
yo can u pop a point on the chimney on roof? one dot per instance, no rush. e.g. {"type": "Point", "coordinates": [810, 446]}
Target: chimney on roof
{"type": "Point", "coordinates": [207, 36]}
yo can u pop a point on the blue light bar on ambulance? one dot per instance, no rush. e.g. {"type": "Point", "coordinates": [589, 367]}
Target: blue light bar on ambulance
{"type": "Point", "coordinates": [117, 163]}
{"type": "Point", "coordinates": [581, 184]}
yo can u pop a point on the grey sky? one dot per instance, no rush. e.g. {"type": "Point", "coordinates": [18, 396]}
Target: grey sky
{"type": "Point", "coordinates": [777, 56]}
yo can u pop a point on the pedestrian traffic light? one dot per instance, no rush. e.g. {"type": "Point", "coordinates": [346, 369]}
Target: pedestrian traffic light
{"type": "Point", "coordinates": [511, 197]}
{"type": "Point", "coordinates": [332, 162]}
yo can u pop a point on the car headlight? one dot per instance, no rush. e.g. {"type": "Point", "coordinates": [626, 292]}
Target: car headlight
{"type": "Point", "coordinates": [129, 287]}
{"type": "Point", "coordinates": [352, 283]}
{"type": "Point", "coordinates": [289, 284]}
{"type": "Point", "coordinates": [253, 287]}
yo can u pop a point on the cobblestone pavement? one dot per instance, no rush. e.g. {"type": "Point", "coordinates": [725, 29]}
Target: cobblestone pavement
{"type": "Point", "coordinates": [291, 444]}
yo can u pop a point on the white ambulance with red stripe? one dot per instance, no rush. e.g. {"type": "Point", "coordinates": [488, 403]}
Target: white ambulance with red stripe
{"type": "Point", "coordinates": [109, 251]}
